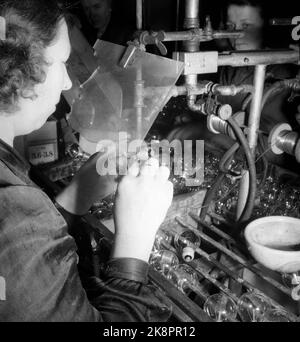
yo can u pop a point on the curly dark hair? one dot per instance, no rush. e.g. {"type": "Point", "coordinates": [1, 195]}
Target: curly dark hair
{"type": "Point", "coordinates": [31, 26]}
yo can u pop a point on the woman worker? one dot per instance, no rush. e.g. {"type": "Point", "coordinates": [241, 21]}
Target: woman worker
{"type": "Point", "coordinates": [38, 260]}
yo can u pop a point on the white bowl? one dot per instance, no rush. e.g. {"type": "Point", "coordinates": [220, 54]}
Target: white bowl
{"type": "Point", "coordinates": [274, 242]}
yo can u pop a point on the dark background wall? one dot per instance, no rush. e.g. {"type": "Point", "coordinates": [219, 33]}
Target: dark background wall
{"type": "Point", "coordinates": [162, 15]}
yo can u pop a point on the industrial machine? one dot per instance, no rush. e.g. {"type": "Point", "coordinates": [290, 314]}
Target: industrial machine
{"type": "Point", "coordinates": [200, 258]}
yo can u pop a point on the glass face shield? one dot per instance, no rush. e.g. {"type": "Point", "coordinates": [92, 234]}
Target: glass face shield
{"type": "Point", "coordinates": [118, 98]}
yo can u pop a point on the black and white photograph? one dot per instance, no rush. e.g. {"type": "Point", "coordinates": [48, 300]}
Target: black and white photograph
{"type": "Point", "coordinates": [149, 164]}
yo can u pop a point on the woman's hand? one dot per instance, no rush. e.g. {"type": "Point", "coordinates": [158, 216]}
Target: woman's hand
{"type": "Point", "coordinates": [142, 200]}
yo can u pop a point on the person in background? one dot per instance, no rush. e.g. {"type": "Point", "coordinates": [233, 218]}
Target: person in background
{"type": "Point", "coordinates": [98, 14]}
{"type": "Point", "coordinates": [251, 17]}
{"type": "Point", "coordinates": [106, 20]}
{"type": "Point", "coordinates": [38, 260]}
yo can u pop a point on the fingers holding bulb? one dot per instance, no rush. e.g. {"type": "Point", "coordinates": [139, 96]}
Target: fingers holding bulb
{"type": "Point", "coordinates": [150, 167]}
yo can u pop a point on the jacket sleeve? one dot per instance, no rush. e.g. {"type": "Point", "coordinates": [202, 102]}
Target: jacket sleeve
{"type": "Point", "coordinates": [38, 261]}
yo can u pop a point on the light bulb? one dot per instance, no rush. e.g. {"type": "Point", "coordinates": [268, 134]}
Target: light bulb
{"type": "Point", "coordinates": [184, 277]}
{"type": "Point", "coordinates": [252, 307]}
{"type": "Point", "coordinates": [276, 315]}
{"type": "Point", "coordinates": [220, 307]}
{"type": "Point", "coordinates": [162, 239]}
{"type": "Point", "coordinates": [186, 242]}
{"type": "Point", "coordinates": [163, 260]}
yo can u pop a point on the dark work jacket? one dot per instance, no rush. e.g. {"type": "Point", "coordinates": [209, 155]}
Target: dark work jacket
{"type": "Point", "coordinates": [38, 262]}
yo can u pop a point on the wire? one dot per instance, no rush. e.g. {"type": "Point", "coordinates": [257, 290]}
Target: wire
{"type": "Point", "coordinates": [235, 185]}
{"type": "Point", "coordinates": [246, 214]}
{"type": "Point", "coordinates": [224, 168]}
{"type": "Point", "coordinates": [227, 158]}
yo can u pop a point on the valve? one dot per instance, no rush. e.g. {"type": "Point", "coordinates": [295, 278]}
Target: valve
{"type": "Point", "coordinates": [211, 106]}
{"type": "Point", "coordinates": [154, 38]}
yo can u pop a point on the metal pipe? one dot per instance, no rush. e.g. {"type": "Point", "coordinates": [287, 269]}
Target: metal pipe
{"type": "Point", "coordinates": [208, 86]}
{"type": "Point", "coordinates": [199, 89]}
{"type": "Point", "coordinates": [139, 14]}
{"type": "Point", "coordinates": [253, 127]}
{"type": "Point", "coordinates": [217, 126]}
{"type": "Point", "coordinates": [231, 90]}
{"type": "Point", "coordinates": [180, 35]}
{"type": "Point", "coordinates": [139, 101]}
{"type": "Point", "coordinates": [245, 58]}
{"type": "Point", "coordinates": [221, 34]}
{"type": "Point", "coordinates": [191, 22]}
{"type": "Point", "coordinates": [192, 105]}
{"type": "Point", "coordinates": [255, 109]}
{"type": "Point", "coordinates": [197, 34]}
{"type": "Point", "coordinates": [191, 14]}
{"type": "Point", "coordinates": [177, 22]}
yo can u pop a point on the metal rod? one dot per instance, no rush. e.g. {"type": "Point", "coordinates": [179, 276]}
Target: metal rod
{"type": "Point", "coordinates": [178, 298]}
{"type": "Point", "coordinates": [246, 58]}
{"type": "Point", "coordinates": [220, 286]}
{"type": "Point", "coordinates": [255, 109]}
{"type": "Point", "coordinates": [227, 34]}
{"type": "Point", "coordinates": [213, 229]}
{"type": "Point", "coordinates": [139, 101]}
{"type": "Point", "coordinates": [191, 9]}
{"type": "Point", "coordinates": [253, 127]}
{"type": "Point", "coordinates": [177, 21]}
{"type": "Point", "coordinates": [191, 21]}
{"type": "Point", "coordinates": [196, 34]}
{"type": "Point", "coordinates": [238, 279]}
{"type": "Point", "coordinates": [235, 257]}
{"type": "Point", "coordinates": [179, 36]}
{"type": "Point", "coordinates": [139, 14]}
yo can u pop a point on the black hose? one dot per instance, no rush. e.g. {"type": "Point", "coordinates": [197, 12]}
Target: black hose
{"type": "Point", "coordinates": [210, 195]}
{"type": "Point", "coordinates": [278, 86]}
{"type": "Point", "coordinates": [246, 102]}
{"type": "Point", "coordinates": [246, 214]}
{"type": "Point", "coordinates": [224, 167]}
{"type": "Point", "coordinates": [275, 88]}
{"type": "Point", "coordinates": [265, 164]}
{"type": "Point", "coordinates": [227, 158]}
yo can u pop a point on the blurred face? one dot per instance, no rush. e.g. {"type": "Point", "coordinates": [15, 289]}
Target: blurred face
{"type": "Point", "coordinates": [35, 111]}
{"type": "Point", "coordinates": [248, 19]}
{"type": "Point", "coordinates": [97, 12]}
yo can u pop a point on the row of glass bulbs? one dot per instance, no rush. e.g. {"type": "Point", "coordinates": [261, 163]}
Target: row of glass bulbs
{"type": "Point", "coordinates": [250, 306]}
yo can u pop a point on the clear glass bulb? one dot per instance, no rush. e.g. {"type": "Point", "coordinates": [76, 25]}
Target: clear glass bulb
{"type": "Point", "coordinates": [276, 315]}
{"type": "Point", "coordinates": [162, 239]}
{"type": "Point", "coordinates": [186, 243]}
{"type": "Point", "coordinates": [184, 277]}
{"type": "Point", "coordinates": [163, 261]}
{"type": "Point", "coordinates": [220, 307]}
{"type": "Point", "coordinates": [252, 307]}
